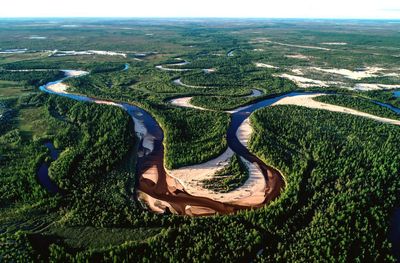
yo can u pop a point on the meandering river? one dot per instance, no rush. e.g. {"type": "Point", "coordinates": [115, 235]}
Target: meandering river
{"type": "Point", "coordinates": [43, 171]}
{"type": "Point", "coordinates": [165, 189]}
{"type": "Point", "coordinates": [151, 155]}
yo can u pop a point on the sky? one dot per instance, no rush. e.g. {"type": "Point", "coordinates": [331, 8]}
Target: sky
{"type": "Point", "coordinates": [367, 9]}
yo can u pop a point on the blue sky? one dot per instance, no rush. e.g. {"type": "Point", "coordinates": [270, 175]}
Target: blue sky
{"type": "Point", "coordinates": [371, 9]}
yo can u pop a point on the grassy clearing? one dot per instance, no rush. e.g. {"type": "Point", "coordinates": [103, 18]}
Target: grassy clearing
{"type": "Point", "coordinates": [11, 89]}
{"type": "Point", "coordinates": [31, 123]}
{"type": "Point", "coordinates": [97, 238]}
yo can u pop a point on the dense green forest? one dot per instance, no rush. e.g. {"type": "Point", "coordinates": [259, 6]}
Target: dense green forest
{"type": "Point", "coordinates": [318, 208]}
{"type": "Point", "coordinates": [269, 85]}
{"type": "Point", "coordinates": [191, 136]}
{"type": "Point", "coordinates": [31, 78]}
{"type": "Point", "coordinates": [94, 171]}
{"type": "Point", "coordinates": [219, 102]}
{"type": "Point", "coordinates": [52, 64]}
{"type": "Point", "coordinates": [87, 135]}
{"type": "Point", "coordinates": [342, 184]}
{"type": "Point", "coordinates": [341, 171]}
{"type": "Point", "coordinates": [107, 81]}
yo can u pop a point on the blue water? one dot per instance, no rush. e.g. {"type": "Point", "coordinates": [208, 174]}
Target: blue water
{"type": "Point", "coordinates": [71, 96]}
{"type": "Point", "coordinates": [231, 52]}
{"type": "Point", "coordinates": [394, 233]}
{"type": "Point", "coordinates": [43, 172]}
{"type": "Point", "coordinates": [238, 117]}
{"type": "Point", "coordinates": [150, 123]}
{"type": "Point", "coordinates": [53, 151]}
{"type": "Point", "coordinates": [396, 94]}
{"type": "Point", "coordinates": [396, 110]}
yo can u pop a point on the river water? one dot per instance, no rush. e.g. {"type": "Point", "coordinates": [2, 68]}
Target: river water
{"type": "Point", "coordinates": [154, 155]}
{"type": "Point", "coordinates": [178, 199]}
{"type": "Point", "coordinates": [43, 171]}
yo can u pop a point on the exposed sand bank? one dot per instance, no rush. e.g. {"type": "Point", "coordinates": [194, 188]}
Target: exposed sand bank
{"type": "Point", "coordinates": [299, 56]}
{"type": "Point", "coordinates": [297, 71]}
{"type": "Point", "coordinates": [244, 132]}
{"type": "Point", "coordinates": [195, 210]}
{"type": "Point", "coordinates": [252, 193]}
{"type": "Point", "coordinates": [263, 65]}
{"type": "Point", "coordinates": [62, 53]}
{"type": "Point", "coordinates": [168, 66]}
{"type": "Point", "coordinates": [28, 70]}
{"type": "Point", "coordinates": [357, 75]}
{"type": "Point", "coordinates": [106, 102]}
{"type": "Point", "coordinates": [303, 82]}
{"type": "Point", "coordinates": [209, 70]}
{"type": "Point", "coordinates": [151, 173]}
{"type": "Point", "coordinates": [237, 109]}
{"type": "Point", "coordinates": [74, 73]}
{"type": "Point", "coordinates": [161, 67]}
{"type": "Point", "coordinates": [180, 83]}
{"type": "Point", "coordinates": [255, 93]}
{"type": "Point", "coordinates": [185, 102]}
{"type": "Point", "coordinates": [266, 40]}
{"type": "Point", "coordinates": [154, 204]}
{"type": "Point", "coordinates": [161, 192]}
{"type": "Point", "coordinates": [13, 51]}
{"type": "Point", "coordinates": [199, 172]}
{"type": "Point", "coordinates": [334, 43]}
{"type": "Point", "coordinates": [306, 100]}
{"type": "Point", "coordinates": [37, 37]}
{"type": "Point", "coordinates": [375, 86]}
{"type": "Point", "coordinates": [58, 87]}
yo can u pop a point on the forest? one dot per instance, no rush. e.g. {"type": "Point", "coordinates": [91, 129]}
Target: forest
{"type": "Point", "coordinates": [341, 197]}
{"type": "Point", "coordinates": [31, 78]}
{"type": "Point", "coordinates": [340, 172]}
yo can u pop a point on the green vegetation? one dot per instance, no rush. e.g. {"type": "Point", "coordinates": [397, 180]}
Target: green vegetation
{"type": "Point", "coordinates": [105, 81]}
{"type": "Point", "coordinates": [382, 80]}
{"type": "Point", "coordinates": [191, 136]}
{"type": "Point", "coordinates": [270, 86]}
{"type": "Point", "coordinates": [95, 188]}
{"type": "Point", "coordinates": [229, 178]}
{"type": "Point", "coordinates": [32, 78]}
{"type": "Point", "coordinates": [19, 158]}
{"type": "Point", "coordinates": [385, 97]}
{"type": "Point", "coordinates": [361, 104]}
{"type": "Point", "coordinates": [11, 88]}
{"type": "Point", "coordinates": [219, 103]}
{"type": "Point", "coordinates": [342, 184]}
{"type": "Point", "coordinates": [342, 171]}
{"type": "Point", "coordinates": [195, 241]}
{"type": "Point", "coordinates": [93, 238]}
{"type": "Point", "coordinates": [45, 67]}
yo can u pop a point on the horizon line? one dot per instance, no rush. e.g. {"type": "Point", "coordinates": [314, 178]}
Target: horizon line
{"type": "Point", "coordinates": [199, 17]}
